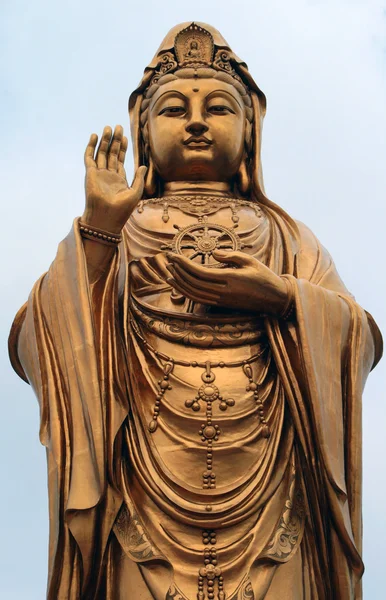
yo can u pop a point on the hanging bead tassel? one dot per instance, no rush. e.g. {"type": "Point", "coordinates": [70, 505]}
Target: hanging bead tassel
{"type": "Point", "coordinates": [163, 385]}
{"type": "Point", "coordinates": [210, 572]}
{"type": "Point", "coordinates": [253, 386]}
{"type": "Point", "coordinates": [165, 215]}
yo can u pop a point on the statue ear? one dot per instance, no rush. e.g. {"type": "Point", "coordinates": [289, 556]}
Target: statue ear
{"type": "Point", "coordinates": [150, 179]}
{"type": "Point", "coordinates": [243, 179]}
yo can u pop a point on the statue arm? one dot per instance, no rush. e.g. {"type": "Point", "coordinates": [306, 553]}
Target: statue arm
{"type": "Point", "coordinates": [109, 199]}
{"type": "Point", "coordinates": [109, 202]}
{"type": "Point", "coordinates": [315, 264]}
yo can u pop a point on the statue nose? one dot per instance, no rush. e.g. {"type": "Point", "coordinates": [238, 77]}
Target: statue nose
{"type": "Point", "coordinates": [196, 127]}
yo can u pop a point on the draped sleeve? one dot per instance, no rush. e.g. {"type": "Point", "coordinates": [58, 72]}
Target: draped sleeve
{"type": "Point", "coordinates": [324, 356]}
{"type": "Point", "coordinates": [70, 353]}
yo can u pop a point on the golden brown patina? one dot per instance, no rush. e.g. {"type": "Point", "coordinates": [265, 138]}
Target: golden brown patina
{"type": "Point", "coordinates": [198, 361]}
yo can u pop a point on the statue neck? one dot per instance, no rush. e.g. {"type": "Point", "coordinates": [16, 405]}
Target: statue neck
{"type": "Point", "coordinates": [201, 188]}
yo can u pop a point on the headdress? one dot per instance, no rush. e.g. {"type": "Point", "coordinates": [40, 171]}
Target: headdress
{"type": "Point", "coordinates": [194, 48]}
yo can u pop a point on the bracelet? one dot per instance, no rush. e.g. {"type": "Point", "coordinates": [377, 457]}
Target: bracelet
{"type": "Point", "coordinates": [99, 235]}
{"type": "Point", "coordinates": [289, 312]}
{"type": "Point", "coordinates": [290, 305]}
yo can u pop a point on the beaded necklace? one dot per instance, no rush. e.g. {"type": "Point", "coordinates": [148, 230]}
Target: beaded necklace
{"type": "Point", "coordinates": [208, 393]}
{"type": "Point", "coordinates": [199, 206]}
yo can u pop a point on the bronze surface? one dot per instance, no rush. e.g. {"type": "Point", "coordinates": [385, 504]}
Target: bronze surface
{"type": "Point", "coordinates": [198, 362]}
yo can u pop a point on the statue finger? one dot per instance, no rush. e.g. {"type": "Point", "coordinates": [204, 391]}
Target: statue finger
{"type": "Point", "coordinates": [89, 160]}
{"type": "Point", "coordinates": [123, 150]}
{"type": "Point", "coordinates": [204, 285]}
{"type": "Point", "coordinates": [121, 171]}
{"type": "Point", "coordinates": [240, 259]}
{"type": "Point", "coordinates": [121, 157]}
{"type": "Point", "coordinates": [101, 157]}
{"type": "Point", "coordinates": [191, 293]}
{"type": "Point", "coordinates": [196, 270]}
{"type": "Point", "coordinates": [115, 147]}
{"type": "Point", "coordinates": [189, 290]}
{"type": "Point", "coordinates": [139, 182]}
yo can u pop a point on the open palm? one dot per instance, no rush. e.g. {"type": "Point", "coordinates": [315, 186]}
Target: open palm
{"type": "Point", "coordinates": [109, 198]}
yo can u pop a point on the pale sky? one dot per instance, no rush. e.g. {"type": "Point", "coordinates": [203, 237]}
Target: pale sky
{"type": "Point", "coordinates": [67, 69]}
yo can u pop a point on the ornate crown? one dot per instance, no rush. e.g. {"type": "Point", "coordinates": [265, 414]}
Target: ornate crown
{"type": "Point", "coordinates": [194, 48]}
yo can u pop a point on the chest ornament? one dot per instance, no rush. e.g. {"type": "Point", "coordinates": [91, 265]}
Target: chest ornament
{"type": "Point", "coordinates": [200, 240]}
{"type": "Point", "coordinates": [199, 206]}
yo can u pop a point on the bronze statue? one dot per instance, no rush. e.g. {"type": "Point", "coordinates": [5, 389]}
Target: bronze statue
{"type": "Point", "coordinates": [198, 361]}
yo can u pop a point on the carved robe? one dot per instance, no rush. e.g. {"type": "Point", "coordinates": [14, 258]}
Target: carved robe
{"type": "Point", "coordinates": [133, 510]}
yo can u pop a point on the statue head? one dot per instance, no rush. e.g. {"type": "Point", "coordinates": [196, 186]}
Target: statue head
{"type": "Point", "coordinates": [197, 114]}
{"type": "Point", "coordinates": [195, 129]}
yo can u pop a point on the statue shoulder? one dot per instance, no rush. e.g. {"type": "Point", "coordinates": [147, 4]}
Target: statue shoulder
{"type": "Point", "coordinates": [313, 259]}
{"type": "Point", "coordinates": [315, 263]}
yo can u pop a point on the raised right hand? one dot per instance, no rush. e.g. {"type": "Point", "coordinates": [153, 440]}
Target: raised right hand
{"type": "Point", "coordinates": [109, 199]}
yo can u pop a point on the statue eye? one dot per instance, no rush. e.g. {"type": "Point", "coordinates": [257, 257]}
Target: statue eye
{"type": "Point", "coordinates": [172, 111]}
{"type": "Point", "coordinates": [220, 109]}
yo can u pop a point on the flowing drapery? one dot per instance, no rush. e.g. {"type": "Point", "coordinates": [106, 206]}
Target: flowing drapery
{"type": "Point", "coordinates": [72, 350]}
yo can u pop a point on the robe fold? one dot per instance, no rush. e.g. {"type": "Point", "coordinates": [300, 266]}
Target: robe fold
{"type": "Point", "coordinates": [75, 355]}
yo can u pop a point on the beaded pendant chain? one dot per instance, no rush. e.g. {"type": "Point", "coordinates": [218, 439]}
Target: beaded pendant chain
{"type": "Point", "coordinates": [210, 573]}
{"type": "Point", "coordinates": [209, 431]}
{"type": "Point", "coordinates": [207, 393]}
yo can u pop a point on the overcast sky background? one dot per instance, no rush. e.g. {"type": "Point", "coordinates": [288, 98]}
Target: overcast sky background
{"type": "Point", "coordinates": [67, 69]}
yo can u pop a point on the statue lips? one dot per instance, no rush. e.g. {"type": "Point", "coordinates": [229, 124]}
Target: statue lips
{"type": "Point", "coordinates": [198, 142]}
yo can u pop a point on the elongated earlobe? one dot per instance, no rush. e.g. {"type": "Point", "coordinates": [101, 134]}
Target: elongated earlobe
{"type": "Point", "coordinates": [150, 180]}
{"type": "Point", "coordinates": [243, 180]}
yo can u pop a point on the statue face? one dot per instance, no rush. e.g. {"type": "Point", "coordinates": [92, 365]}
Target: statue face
{"type": "Point", "coordinates": [196, 130]}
